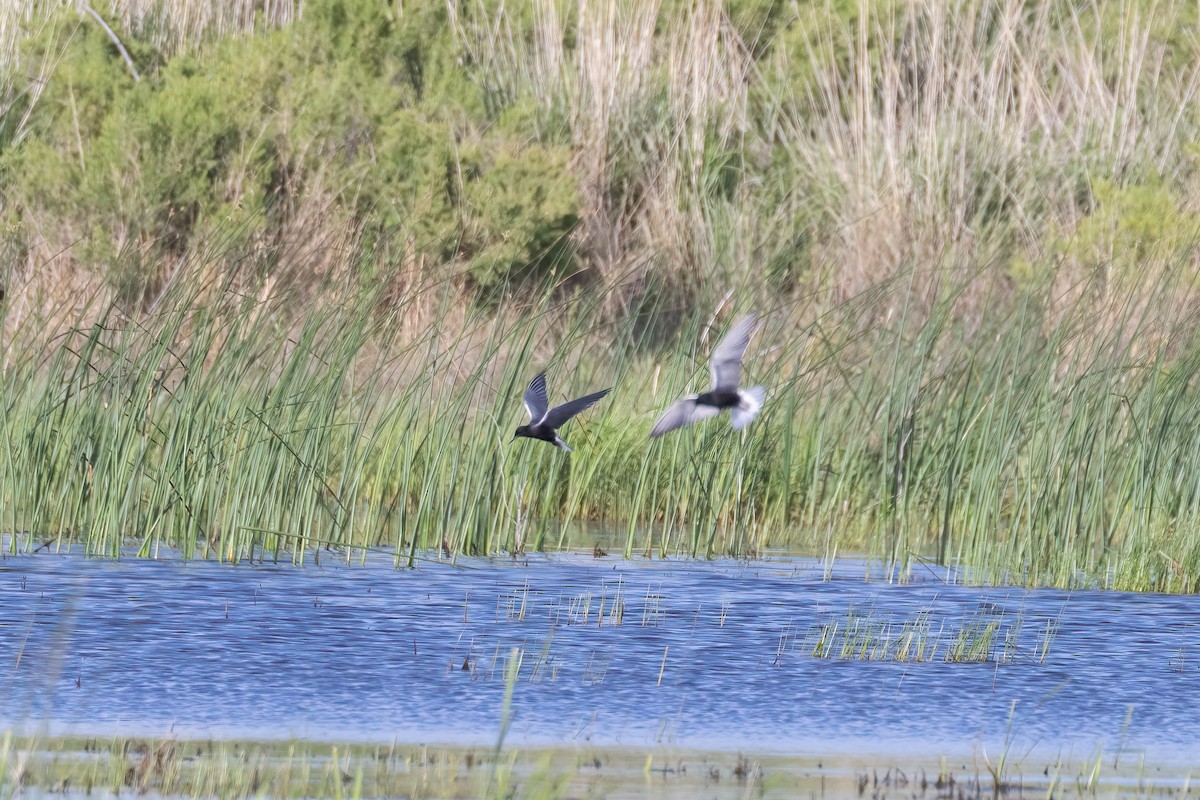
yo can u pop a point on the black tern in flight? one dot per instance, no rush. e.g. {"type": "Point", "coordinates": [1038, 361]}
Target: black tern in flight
{"type": "Point", "coordinates": [726, 363]}
{"type": "Point", "coordinates": [544, 421]}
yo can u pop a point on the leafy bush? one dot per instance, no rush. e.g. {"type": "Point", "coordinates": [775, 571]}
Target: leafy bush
{"type": "Point", "coordinates": [356, 103]}
{"type": "Point", "coordinates": [1129, 223]}
{"type": "Point", "coordinates": [522, 209]}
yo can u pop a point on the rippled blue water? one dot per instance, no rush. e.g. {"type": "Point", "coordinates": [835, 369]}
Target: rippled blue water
{"type": "Point", "coordinates": [700, 653]}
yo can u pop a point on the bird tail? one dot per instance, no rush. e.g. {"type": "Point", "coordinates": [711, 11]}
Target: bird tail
{"type": "Point", "coordinates": [750, 402]}
{"type": "Point", "coordinates": [561, 443]}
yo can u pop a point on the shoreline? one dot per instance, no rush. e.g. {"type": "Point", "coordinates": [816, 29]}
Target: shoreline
{"type": "Point", "coordinates": [169, 766]}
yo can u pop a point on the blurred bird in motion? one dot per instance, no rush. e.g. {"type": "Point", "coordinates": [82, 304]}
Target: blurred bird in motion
{"type": "Point", "coordinates": [726, 364]}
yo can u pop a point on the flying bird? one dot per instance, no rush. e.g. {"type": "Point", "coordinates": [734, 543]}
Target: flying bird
{"type": "Point", "coordinates": [726, 364]}
{"type": "Point", "coordinates": [544, 421]}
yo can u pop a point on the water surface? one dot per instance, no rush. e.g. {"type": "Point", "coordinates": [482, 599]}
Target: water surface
{"type": "Point", "coordinates": [699, 654]}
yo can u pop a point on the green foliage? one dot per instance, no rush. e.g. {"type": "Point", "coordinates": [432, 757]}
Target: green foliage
{"type": "Point", "coordinates": [757, 21]}
{"type": "Point", "coordinates": [1129, 230]}
{"type": "Point", "coordinates": [357, 101]}
{"type": "Point", "coordinates": [1131, 224]}
{"type": "Point", "coordinates": [813, 37]}
{"type": "Point", "coordinates": [522, 209]}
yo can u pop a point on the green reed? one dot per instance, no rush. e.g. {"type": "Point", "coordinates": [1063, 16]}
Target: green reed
{"type": "Point", "coordinates": [1029, 447]}
{"type": "Point", "coordinates": [987, 635]}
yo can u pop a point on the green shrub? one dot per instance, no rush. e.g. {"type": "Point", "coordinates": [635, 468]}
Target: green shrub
{"type": "Point", "coordinates": [522, 208]}
{"type": "Point", "coordinates": [356, 102]}
{"type": "Point", "coordinates": [1130, 225]}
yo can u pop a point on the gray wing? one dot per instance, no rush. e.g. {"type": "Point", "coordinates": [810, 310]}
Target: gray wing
{"type": "Point", "coordinates": [726, 361]}
{"type": "Point", "coordinates": [682, 412]}
{"type": "Point", "coordinates": [556, 416]}
{"type": "Point", "coordinates": [535, 398]}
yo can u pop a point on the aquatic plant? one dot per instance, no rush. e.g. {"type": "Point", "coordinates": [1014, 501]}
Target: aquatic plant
{"type": "Point", "coordinates": [174, 767]}
{"type": "Point", "coordinates": [988, 634]}
{"type": "Point", "coordinates": [218, 431]}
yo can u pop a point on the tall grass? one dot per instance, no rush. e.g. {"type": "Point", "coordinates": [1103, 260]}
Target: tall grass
{"type": "Point", "coordinates": [968, 228]}
{"type": "Point", "coordinates": [171, 25]}
{"type": "Point", "coordinates": [1025, 446]}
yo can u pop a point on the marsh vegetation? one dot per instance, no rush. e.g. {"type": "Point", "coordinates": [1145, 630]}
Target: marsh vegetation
{"type": "Point", "coordinates": [281, 289]}
{"type": "Point", "coordinates": [172, 767]}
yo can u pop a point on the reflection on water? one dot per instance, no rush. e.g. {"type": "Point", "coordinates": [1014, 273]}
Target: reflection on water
{"type": "Point", "coordinates": [766, 655]}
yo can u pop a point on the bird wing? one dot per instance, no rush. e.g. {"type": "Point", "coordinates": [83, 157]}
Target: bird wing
{"type": "Point", "coordinates": [726, 361]}
{"type": "Point", "coordinates": [682, 412]}
{"type": "Point", "coordinates": [560, 414]}
{"type": "Point", "coordinates": [535, 398]}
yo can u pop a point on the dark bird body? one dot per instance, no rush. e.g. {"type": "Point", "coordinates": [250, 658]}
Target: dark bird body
{"type": "Point", "coordinates": [721, 399]}
{"type": "Point", "coordinates": [726, 364]}
{"type": "Point", "coordinates": [544, 421]}
{"type": "Point", "coordinates": [543, 432]}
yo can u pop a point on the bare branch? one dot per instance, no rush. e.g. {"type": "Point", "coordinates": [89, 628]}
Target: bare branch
{"type": "Point", "coordinates": [113, 36]}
